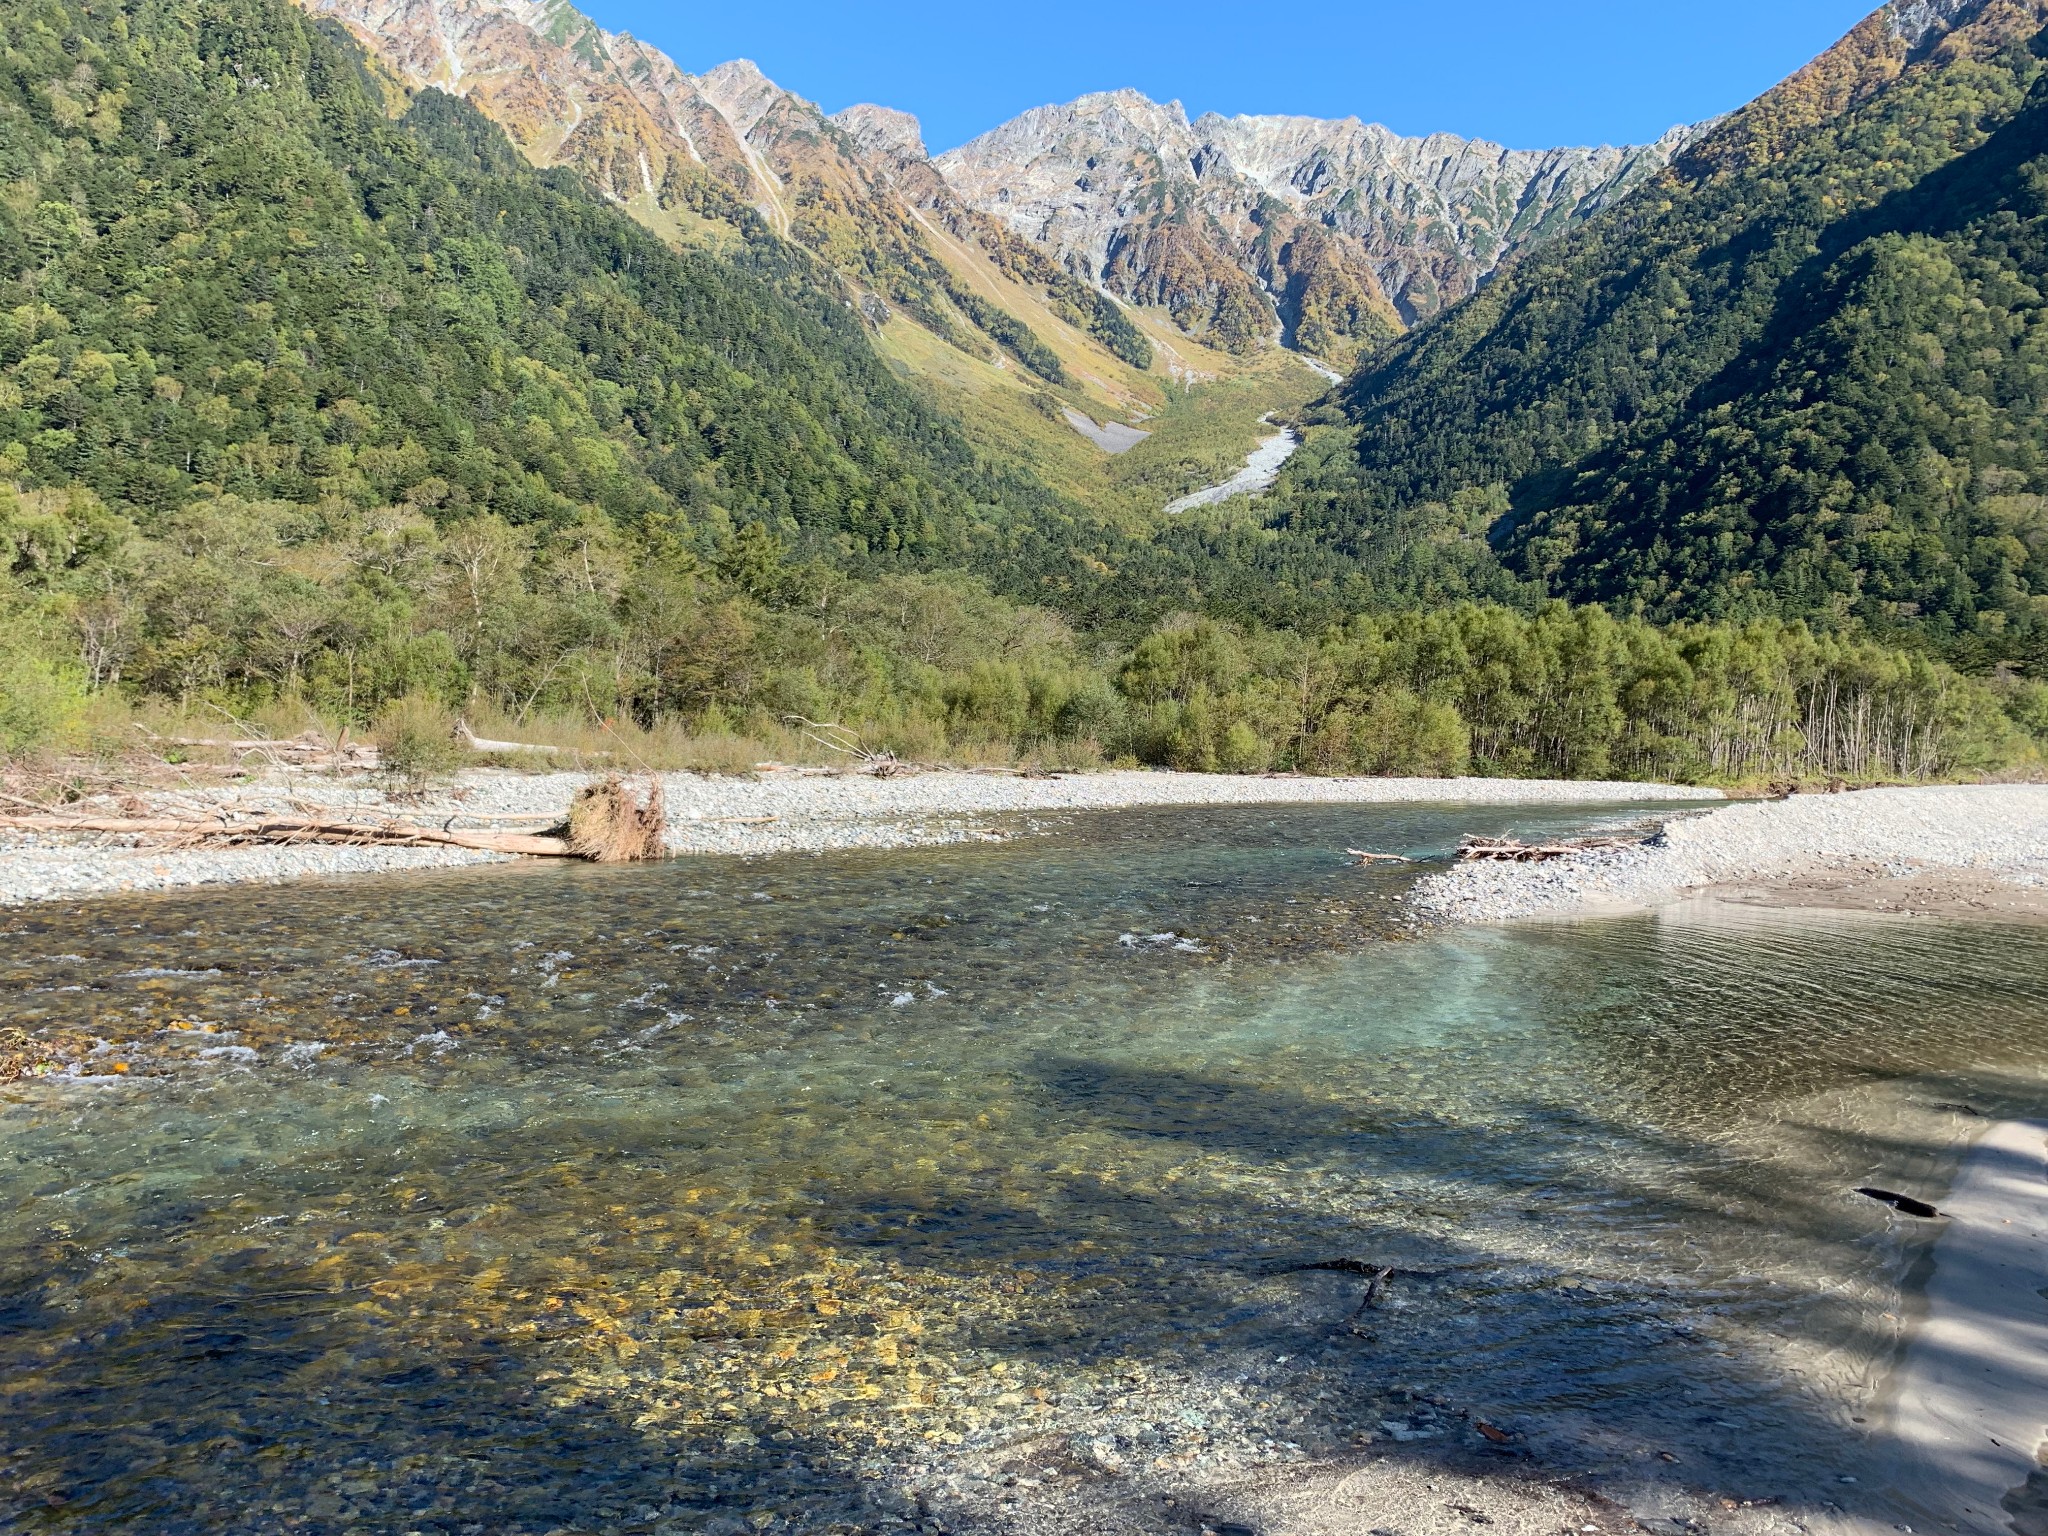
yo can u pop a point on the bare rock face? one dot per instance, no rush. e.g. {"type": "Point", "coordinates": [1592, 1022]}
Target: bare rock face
{"type": "Point", "coordinates": [883, 131]}
{"type": "Point", "coordinates": [567, 93]}
{"type": "Point", "coordinates": [1914, 22]}
{"type": "Point", "coordinates": [1346, 228]}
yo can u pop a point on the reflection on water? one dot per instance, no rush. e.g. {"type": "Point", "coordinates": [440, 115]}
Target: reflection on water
{"type": "Point", "coordinates": [710, 1196]}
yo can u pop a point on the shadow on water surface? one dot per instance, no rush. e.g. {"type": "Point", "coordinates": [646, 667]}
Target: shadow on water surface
{"type": "Point", "coordinates": [620, 1258]}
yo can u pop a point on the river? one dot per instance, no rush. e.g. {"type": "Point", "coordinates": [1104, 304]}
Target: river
{"type": "Point", "coordinates": [725, 1196]}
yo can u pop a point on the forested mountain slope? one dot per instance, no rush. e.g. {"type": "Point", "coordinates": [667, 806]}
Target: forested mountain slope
{"type": "Point", "coordinates": [1803, 372]}
{"type": "Point", "coordinates": [225, 270]}
{"type": "Point", "coordinates": [991, 326]}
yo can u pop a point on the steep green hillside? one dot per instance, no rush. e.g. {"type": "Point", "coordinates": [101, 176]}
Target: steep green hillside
{"type": "Point", "coordinates": [1804, 373]}
{"type": "Point", "coordinates": [223, 270]}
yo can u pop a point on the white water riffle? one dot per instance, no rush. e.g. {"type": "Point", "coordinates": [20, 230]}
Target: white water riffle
{"type": "Point", "coordinates": [1261, 469]}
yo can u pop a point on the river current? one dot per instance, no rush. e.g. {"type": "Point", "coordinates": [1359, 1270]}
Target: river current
{"type": "Point", "coordinates": [714, 1196]}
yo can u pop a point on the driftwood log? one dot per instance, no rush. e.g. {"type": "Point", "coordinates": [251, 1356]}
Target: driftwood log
{"type": "Point", "coordinates": [233, 830]}
{"type": "Point", "coordinates": [608, 823]}
{"type": "Point", "coordinates": [476, 743]}
{"type": "Point", "coordinates": [304, 751]}
{"type": "Point", "coordinates": [1508, 850]}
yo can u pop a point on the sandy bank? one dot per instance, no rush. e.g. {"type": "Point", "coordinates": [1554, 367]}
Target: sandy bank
{"type": "Point", "coordinates": [1980, 850]}
{"type": "Point", "coordinates": [811, 813]}
{"type": "Point", "coordinates": [1970, 1399]}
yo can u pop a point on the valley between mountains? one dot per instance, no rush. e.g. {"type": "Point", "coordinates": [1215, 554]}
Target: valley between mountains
{"type": "Point", "coordinates": [382, 360]}
{"type": "Point", "coordinates": [1105, 256]}
{"type": "Point", "coordinates": [940, 759]}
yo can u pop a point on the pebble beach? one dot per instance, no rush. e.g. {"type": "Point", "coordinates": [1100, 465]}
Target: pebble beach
{"type": "Point", "coordinates": [1950, 848]}
{"type": "Point", "coordinates": [778, 813]}
{"type": "Point", "coordinates": [1976, 847]}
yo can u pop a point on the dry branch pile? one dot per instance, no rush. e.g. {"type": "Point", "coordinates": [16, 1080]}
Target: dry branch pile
{"type": "Point", "coordinates": [1508, 850]}
{"type": "Point", "coordinates": [609, 824]}
{"type": "Point", "coordinates": [848, 743]}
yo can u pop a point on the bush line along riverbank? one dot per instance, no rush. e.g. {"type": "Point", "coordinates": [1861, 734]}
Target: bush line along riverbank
{"type": "Point", "coordinates": [372, 619]}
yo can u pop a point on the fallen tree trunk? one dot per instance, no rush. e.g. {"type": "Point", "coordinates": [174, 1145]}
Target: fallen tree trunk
{"type": "Point", "coordinates": [306, 751]}
{"type": "Point", "coordinates": [292, 829]}
{"type": "Point", "coordinates": [477, 743]}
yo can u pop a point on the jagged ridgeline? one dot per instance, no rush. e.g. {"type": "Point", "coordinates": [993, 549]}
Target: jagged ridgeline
{"type": "Point", "coordinates": [1803, 372]}
{"type": "Point", "coordinates": [226, 270]}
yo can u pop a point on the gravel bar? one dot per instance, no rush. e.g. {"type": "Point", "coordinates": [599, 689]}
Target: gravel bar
{"type": "Point", "coordinates": [1996, 832]}
{"type": "Point", "coordinates": [813, 813]}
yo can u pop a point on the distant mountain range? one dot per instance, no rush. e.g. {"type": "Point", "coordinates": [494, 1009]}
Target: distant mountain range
{"type": "Point", "coordinates": [1351, 232]}
{"type": "Point", "coordinates": [1786, 362]}
{"type": "Point", "coordinates": [1326, 237]}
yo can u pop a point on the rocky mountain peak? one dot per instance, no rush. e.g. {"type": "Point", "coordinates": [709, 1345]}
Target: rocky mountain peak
{"type": "Point", "coordinates": [1140, 109]}
{"type": "Point", "coordinates": [883, 131]}
{"type": "Point", "coordinates": [741, 92]}
{"type": "Point", "coordinates": [1123, 119]}
{"type": "Point", "coordinates": [1386, 229]}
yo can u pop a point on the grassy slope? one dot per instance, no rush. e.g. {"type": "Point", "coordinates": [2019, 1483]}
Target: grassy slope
{"type": "Point", "coordinates": [1203, 422]}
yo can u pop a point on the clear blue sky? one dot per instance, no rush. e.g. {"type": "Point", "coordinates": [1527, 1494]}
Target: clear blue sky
{"type": "Point", "coordinates": [1528, 73]}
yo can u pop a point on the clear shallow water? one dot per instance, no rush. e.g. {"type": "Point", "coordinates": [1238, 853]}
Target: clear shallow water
{"type": "Point", "coordinates": [646, 1199]}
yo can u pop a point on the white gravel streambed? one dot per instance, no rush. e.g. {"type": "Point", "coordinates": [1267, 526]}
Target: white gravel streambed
{"type": "Point", "coordinates": [812, 813]}
{"type": "Point", "coordinates": [1262, 467]}
{"type": "Point", "coordinates": [44, 870]}
{"type": "Point", "coordinates": [1995, 832]}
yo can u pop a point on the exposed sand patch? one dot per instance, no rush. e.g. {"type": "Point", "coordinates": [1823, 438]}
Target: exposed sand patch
{"type": "Point", "coordinates": [1927, 893]}
{"type": "Point", "coordinates": [1970, 1398]}
{"type": "Point", "coordinates": [1112, 437]}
